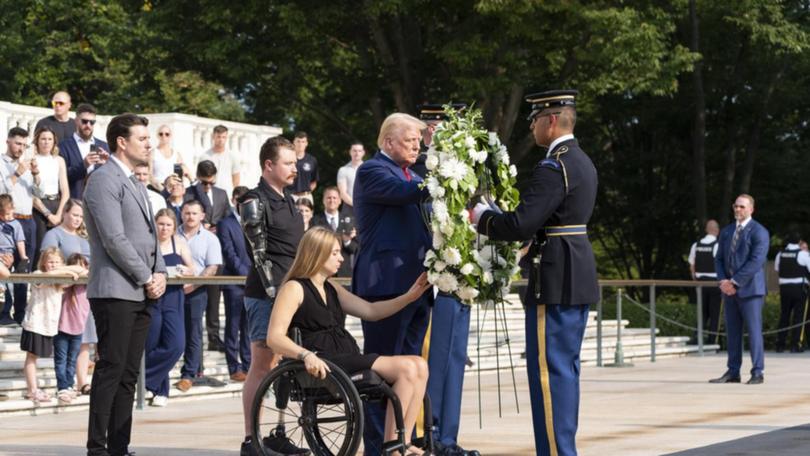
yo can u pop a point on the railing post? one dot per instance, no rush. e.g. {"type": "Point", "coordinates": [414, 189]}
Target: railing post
{"type": "Point", "coordinates": [599, 328]}
{"type": "Point", "coordinates": [700, 319]}
{"type": "Point", "coordinates": [652, 323]}
{"type": "Point", "coordinates": [618, 359]}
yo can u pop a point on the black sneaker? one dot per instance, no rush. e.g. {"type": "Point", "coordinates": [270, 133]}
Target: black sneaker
{"type": "Point", "coordinates": [7, 321]}
{"type": "Point", "coordinates": [283, 445]}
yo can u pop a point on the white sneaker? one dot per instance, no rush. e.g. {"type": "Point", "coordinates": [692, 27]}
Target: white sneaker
{"type": "Point", "coordinates": [160, 401]}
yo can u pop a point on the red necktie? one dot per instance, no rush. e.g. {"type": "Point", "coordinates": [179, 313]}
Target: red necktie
{"type": "Point", "coordinates": [407, 173]}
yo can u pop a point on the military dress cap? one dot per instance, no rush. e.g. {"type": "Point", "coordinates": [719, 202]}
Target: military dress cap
{"type": "Point", "coordinates": [434, 111]}
{"type": "Point", "coordinates": [550, 99]}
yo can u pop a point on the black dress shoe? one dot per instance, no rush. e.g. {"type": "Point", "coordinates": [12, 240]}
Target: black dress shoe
{"type": "Point", "coordinates": [756, 380]}
{"type": "Point", "coordinates": [726, 378]}
{"type": "Point", "coordinates": [797, 350]}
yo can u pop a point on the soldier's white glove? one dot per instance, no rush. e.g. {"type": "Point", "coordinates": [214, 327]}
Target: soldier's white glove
{"type": "Point", "coordinates": [478, 211]}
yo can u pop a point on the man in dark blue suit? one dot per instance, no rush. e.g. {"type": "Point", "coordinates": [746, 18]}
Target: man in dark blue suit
{"type": "Point", "coordinates": [741, 254]}
{"type": "Point", "coordinates": [393, 242]}
{"type": "Point", "coordinates": [237, 263]}
{"type": "Point", "coordinates": [82, 152]}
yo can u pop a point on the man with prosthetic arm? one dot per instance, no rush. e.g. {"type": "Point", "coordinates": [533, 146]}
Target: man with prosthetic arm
{"type": "Point", "coordinates": [273, 228]}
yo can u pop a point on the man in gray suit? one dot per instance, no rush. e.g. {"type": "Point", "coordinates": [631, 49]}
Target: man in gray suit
{"type": "Point", "coordinates": [126, 275]}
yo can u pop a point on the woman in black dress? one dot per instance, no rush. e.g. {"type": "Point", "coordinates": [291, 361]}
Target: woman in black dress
{"type": "Point", "coordinates": [311, 302]}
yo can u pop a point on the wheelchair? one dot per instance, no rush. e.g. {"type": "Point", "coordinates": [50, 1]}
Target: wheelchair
{"type": "Point", "coordinates": [325, 415]}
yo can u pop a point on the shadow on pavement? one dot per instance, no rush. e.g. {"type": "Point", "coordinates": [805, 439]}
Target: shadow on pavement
{"type": "Point", "coordinates": [794, 441]}
{"type": "Point", "coordinates": [54, 450]}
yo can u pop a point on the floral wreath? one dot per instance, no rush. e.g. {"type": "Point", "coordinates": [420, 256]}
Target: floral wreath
{"type": "Point", "coordinates": [466, 162]}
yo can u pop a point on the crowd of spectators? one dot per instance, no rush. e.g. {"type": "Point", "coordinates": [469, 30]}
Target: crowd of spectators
{"type": "Point", "coordinates": [42, 179]}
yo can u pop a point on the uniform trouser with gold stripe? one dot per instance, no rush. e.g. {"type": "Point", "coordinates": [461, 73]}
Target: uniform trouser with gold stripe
{"type": "Point", "coordinates": [553, 341]}
{"type": "Point", "coordinates": [447, 356]}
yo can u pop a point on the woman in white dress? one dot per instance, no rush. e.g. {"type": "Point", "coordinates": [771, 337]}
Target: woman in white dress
{"type": "Point", "coordinates": [166, 160]}
{"type": "Point", "coordinates": [54, 192]}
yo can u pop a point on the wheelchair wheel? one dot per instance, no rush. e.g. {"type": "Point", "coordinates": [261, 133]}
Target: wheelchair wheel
{"type": "Point", "coordinates": [324, 416]}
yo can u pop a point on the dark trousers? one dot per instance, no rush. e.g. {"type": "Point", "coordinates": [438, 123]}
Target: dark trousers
{"type": "Point", "coordinates": [122, 327]}
{"type": "Point", "coordinates": [42, 227]}
{"type": "Point", "coordinates": [792, 298]}
{"type": "Point", "coordinates": [744, 313]}
{"type": "Point", "coordinates": [194, 307]}
{"type": "Point", "coordinates": [447, 356]}
{"type": "Point", "coordinates": [165, 343]}
{"type": "Point", "coordinates": [212, 314]}
{"type": "Point", "coordinates": [20, 298]}
{"type": "Point", "coordinates": [400, 334]}
{"type": "Point", "coordinates": [237, 345]}
{"type": "Point", "coordinates": [553, 341]}
{"type": "Point", "coordinates": [711, 301]}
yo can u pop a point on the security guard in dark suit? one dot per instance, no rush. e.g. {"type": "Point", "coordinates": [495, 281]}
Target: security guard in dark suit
{"type": "Point", "coordinates": [554, 210]}
{"type": "Point", "coordinates": [445, 346]}
{"type": "Point", "coordinates": [792, 265]}
{"type": "Point", "coordinates": [432, 114]}
{"type": "Point", "coordinates": [701, 267]}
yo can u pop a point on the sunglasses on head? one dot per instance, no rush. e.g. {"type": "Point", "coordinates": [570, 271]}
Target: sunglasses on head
{"type": "Point", "coordinates": [88, 121]}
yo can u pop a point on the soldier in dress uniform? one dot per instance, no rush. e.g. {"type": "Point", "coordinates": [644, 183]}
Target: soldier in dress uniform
{"type": "Point", "coordinates": [554, 210]}
{"type": "Point", "coordinates": [792, 265]}
{"type": "Point", "coordinates": [701, 267]}
{"type": "Point", "coordinates": [445, 345]}
{"type": "Point", "coordinates": [432, 114]}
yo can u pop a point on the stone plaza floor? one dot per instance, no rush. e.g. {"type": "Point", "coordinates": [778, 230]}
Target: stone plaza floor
{"type": "Point", "coordinates": [658, 408]}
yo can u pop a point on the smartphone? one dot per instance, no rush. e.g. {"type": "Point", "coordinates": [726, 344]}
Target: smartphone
{"type": "Point", "coordinates": [93, 149]}
{"type": "Point", "coordinates": [178, 169]}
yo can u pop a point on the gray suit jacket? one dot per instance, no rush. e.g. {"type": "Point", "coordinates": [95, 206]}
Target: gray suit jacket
{"type": "Point", "coordinates": [124, 251]}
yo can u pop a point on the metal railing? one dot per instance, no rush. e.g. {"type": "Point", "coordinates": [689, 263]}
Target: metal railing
{"type": "Point", "coordinates": [620, 285]}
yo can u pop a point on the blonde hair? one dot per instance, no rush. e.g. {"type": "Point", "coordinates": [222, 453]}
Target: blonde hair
{"type": "Point", "coordinates": [47, 253]}
{"type": "Point", "coordinates": [395, 123]}
{"type": "Point", "coordinates": [314, 249]}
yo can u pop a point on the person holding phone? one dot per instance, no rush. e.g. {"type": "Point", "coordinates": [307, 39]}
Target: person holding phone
{"type": "Point", "coordinates": [167, 161]}
{"type": "Point", "coordinates": [53, 191]}
{"type": "Point", "coordinates": [340, 223]}
{"type": "Point", "coordinates": [82, 151]}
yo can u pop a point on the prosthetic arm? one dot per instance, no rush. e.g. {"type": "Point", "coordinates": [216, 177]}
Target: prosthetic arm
{"type": "Point", "coordinates": [252, 214]}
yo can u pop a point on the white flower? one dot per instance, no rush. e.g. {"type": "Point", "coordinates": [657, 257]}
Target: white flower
{"type": "Point", "coordinates": [469, 141]}
{"type": "Point", "coordinates": [446, 228]}
{"type": "Point", "coordinates": [434, 188]}
{"type": "Point", "coordinates": [467, 269]}
{"type": "Point", "coordinates": [453, 169]}
{"type": "Point", "coordinates": [451, 256]}
{"type": "Point", "coordinates": [438, 240]}
{"type": "Point", "coordinates": [512, 170]}
{"type": "Point", "coordinates": [503, 155]}
{"type": "Point", "coordinates": [467, 293]}
{"type": "Point", "coordinates": [493, 138]}
{"type": "Point", "coordinates": [487, 277]}
{"type": "Point", "coordinates": [439, 266]}
{"type": "Point", "coordinates": [447, 282]}
{"type": "Point", "coordinates": [440, 211]}
{"type": "Point", "coordinates": [433, 277]}
{"type": "Point", "coordinates": [477, 156]}
{"type": "Point", "coordinates": [431, 162]}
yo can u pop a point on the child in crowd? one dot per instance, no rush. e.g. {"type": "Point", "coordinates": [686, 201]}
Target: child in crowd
{"type": "Point", "coordinates": [12, 238]}
{"type": "Point", "coordinates": [66, 343]}
{"type": "Point", "coordinates": [41, 321]}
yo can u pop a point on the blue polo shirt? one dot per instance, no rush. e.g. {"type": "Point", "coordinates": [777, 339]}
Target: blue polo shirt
{"type": "Point", "coordinates": [205, 248]}
{"type": "Point", "coordinates": [10, 234]}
